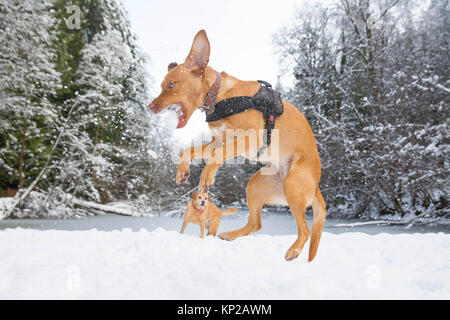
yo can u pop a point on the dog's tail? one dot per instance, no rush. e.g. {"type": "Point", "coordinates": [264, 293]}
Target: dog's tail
{"type": "Point", "coordinates": [319, 210]}
{"type": "Point", "coordinates": [228, 211]}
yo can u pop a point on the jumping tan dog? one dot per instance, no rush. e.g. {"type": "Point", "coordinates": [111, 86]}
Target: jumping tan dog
{"type": "Point", "coordinates": [202, 211]}
{"type": "Point", "coordinates": [296, 181]}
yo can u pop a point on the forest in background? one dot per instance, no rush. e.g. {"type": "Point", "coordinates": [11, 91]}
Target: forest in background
{"type": "Point", "coordinates": [371, 78]}
{"type": "Point", "coordinates": [73, 109]}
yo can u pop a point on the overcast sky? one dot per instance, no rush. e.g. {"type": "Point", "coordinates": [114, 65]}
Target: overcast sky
{"type": "Point", "coordinates": [240, 33]}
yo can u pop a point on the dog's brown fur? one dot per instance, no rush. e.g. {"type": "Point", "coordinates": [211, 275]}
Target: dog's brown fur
{"type": "Point", "coordinates": [202, 211]}
{"type": "Point", "coordinates": [296, 182]}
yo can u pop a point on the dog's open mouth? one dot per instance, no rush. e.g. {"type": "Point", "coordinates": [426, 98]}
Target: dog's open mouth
{"type": "Point", "coordinates": [181, 114]}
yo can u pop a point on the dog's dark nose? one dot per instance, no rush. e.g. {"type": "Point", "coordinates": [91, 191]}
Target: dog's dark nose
{"type": "Point", "coordinates": [203, 203]}
{"type": "Point", "coordinates": [153, 108]}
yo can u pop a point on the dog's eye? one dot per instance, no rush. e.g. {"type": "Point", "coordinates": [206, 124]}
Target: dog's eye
{"type": "Point", "coordinates": [171, 84]}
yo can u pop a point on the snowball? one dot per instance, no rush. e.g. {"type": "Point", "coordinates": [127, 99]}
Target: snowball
{"type": "Point", "coordinates": [169, 119]}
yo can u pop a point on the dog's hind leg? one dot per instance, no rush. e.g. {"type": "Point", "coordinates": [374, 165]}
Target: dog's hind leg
{"type": "Point", "coordinates": [261, 189]}
{"type": "Point", "coordinates": [213, 227]}
{"type": "Point", "coordinates": [299, 189]}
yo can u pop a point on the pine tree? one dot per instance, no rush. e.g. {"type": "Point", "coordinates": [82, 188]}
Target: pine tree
{"type": "Point", "coordinates": [29, 81]}
{"type": "Point", "coordinates": [111, 133]}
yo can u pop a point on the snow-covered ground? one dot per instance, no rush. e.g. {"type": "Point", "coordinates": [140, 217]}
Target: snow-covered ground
{"type": "Point", "coordinates": [162, 264]}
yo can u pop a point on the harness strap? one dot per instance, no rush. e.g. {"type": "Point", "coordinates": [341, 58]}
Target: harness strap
{"type": "Point", "coordinates": [266, 101]}
{"type": "Point", "coordinates": [228, 107]}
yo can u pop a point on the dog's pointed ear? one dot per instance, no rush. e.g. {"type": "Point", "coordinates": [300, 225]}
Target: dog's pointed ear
{"type": "Point", "coordinates": [198, 57]}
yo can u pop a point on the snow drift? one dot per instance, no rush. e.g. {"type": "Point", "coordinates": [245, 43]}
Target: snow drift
{"type": "Point", "coordinates": [166, 265]}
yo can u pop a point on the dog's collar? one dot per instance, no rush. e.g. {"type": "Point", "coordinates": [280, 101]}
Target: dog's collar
{"type": "Point", "coordinates": [211, 97]}
{"type": "Point", "coordinates": [198, 210]}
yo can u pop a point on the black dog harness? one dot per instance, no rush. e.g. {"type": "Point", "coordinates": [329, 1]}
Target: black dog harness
{"type": "Point", "coordinates": [266, 100]}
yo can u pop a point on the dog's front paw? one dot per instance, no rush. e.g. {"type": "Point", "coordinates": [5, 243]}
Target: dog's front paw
{"type": "Point", "coordinates": [182, 172]}
{"type": "Point", "coordinates": [207, 179]}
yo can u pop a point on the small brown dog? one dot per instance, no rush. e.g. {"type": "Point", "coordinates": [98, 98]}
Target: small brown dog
{"type": "Point", "coordinates": [202, 211]}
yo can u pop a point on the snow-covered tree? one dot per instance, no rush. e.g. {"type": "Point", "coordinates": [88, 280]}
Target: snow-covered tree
{"type": "Point", "coordinates": [372, 79]}
{"type": "Point", "coordinates": [28, 83]}
{"type": "Point", "coordinates": [112, 144]}
{"type": "Point", "coordinates": [87, 127]}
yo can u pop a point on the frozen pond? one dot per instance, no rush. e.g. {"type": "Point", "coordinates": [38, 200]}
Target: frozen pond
{"type": "Point", "coordinates": [274, 223]}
